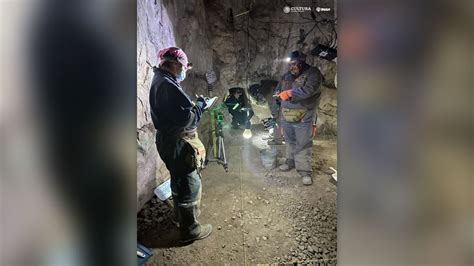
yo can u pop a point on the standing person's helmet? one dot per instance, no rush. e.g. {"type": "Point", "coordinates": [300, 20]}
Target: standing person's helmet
{"type": "Point", "coordinates": [298, 56]}
{"type": "Point", "coordinates": [174, 54]}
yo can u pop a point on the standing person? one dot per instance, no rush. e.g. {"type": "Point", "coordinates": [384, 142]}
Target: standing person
{"type": "Point", "coordinates": [176, 118]}
{"type": "Point", "coordinates": [299, 92]}
{"type": "Point", "coordinates": [235, 102]}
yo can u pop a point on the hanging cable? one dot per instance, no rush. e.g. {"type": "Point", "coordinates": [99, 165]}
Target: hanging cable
{"type": "Point", "coordinates": [248, 44]}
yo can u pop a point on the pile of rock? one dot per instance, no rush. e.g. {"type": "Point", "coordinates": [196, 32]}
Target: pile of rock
{"type": "Point", "coordinates": [155, 214]}
{"type": "Point", "coordinates": [314, 232]}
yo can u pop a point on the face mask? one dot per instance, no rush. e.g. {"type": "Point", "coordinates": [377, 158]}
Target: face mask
{"type": "Point", "coordinates": [181, 76]}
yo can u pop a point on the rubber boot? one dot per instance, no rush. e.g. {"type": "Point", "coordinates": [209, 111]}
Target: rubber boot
{"type": "Point", "coordinates": [174, 218]}
{"type": "Point", "coordinates": [190, 228]}
{"type": "Point", "coordinates": [197, 207]}
{"type": "Point", "coordinates": [205, 230]}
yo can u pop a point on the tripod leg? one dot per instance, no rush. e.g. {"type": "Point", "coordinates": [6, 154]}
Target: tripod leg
{"type": "Point", "coordinates": [209, 150]}
{"type": "Point", "coordinates": [219, 148]}
{"type": "Point", "coordinates": [226, 168]}
{"type": "Point", "coordinates": [223, 149]}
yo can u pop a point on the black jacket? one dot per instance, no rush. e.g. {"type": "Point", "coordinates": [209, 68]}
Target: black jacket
{"type": "Point", "coordinates": [172, 111]}
{"type": "Point", "coordinates": [231, 102]}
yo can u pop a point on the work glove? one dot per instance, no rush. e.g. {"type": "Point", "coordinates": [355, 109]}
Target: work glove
{"type": "Point", "coordinates": [285, 95]}
{"type": "Point", "coordinates": [201, 102]}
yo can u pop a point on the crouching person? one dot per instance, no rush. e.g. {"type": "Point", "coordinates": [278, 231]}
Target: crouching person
{"type": "Point", "coordinates": [176, 118]}
{"type": "Point", "coordinates": [237, 105]}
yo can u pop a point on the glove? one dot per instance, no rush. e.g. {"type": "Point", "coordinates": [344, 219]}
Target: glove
{"type": "Point", "coordinates": [285, 95]}
{"type": "Point", "coordinates": [201, 102]}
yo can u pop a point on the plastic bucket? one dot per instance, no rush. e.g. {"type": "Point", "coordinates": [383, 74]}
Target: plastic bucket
{"type": "Point", "coordinates": [269, 158]}
{"type": "Point", "coordinates": [163, 191]}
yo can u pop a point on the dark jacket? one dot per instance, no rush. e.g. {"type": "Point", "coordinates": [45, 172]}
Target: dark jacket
{"type": "Point", "coordinates": [172, 111]}
{"type": "Point", "coordinates": [305, 90]}
{"type": "Point", "coordinates": [231, 102]}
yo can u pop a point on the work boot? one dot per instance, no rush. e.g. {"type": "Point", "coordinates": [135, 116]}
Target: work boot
{"type": "Point", "coordinates": [189, 227]}
{"type": "Point", "coordinates": [205, 231]}
{"type": "Point", "coordinates": [307, 180]}
{"type": "Point", "coordinates": [290, 164]}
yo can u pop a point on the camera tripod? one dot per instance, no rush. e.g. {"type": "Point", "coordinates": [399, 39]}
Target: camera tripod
{"type": "Point", "coordinates": [216, 140]}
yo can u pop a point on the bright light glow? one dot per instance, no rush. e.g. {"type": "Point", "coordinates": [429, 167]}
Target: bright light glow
{"type": "Point", "coordinates": [247, 133]}
{"type": "Point", "coordinates": [287, 59]}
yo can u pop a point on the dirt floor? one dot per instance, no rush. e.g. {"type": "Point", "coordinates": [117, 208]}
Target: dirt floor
{"type": "Point", "coordinates": [259, 216]}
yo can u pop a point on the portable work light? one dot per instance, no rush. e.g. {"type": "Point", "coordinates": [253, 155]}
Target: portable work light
{"type": "Point", "coordinates": [247, 133]}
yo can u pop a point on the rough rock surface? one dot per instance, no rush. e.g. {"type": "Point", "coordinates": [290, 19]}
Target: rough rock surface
{"type": "Point", "coordinates": [327, 114]}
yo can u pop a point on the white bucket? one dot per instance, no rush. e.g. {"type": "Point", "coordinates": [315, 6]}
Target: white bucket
{"type": "Point", "coordinates": [269, 158]}
{"type": "Point", "coordinates": [163, 191]}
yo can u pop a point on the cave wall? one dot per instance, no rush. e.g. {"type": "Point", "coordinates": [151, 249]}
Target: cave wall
{"type": "Point", "coordinates": [241, 50]}
{"type": "Point", "coordinates": [252, 46]}
{"type": "Point", "coordinates": [154, 30]}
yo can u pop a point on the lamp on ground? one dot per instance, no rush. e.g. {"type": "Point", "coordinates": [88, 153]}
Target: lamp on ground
{"type": "Point", "coordinates": [247, 132]}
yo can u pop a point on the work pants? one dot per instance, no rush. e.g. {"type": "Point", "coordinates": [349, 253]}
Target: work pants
{"type": "Point", "coordinates": [185, 181]}
{"type": "Point", "coordinates": [299, 145]}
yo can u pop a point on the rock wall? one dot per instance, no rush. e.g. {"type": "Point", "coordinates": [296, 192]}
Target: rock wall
{"type": "Point", "coordinates": [242, 41]}
{"type": "Point", "coordinates": [155, 30]}
{"type": "Point", "coordinates": [327, 114]}
{"type": "Point", "coordinates": [252, 46]}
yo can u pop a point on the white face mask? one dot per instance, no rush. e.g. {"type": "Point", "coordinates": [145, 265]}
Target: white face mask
{"type": "Point", "coordinates": [181, 76]}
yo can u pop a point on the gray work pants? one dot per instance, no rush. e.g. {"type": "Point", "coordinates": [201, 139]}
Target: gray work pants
{"type": "Point", "coordinates": [299, 145]}
{"type": "Point", "coordinates": [277, 134]}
